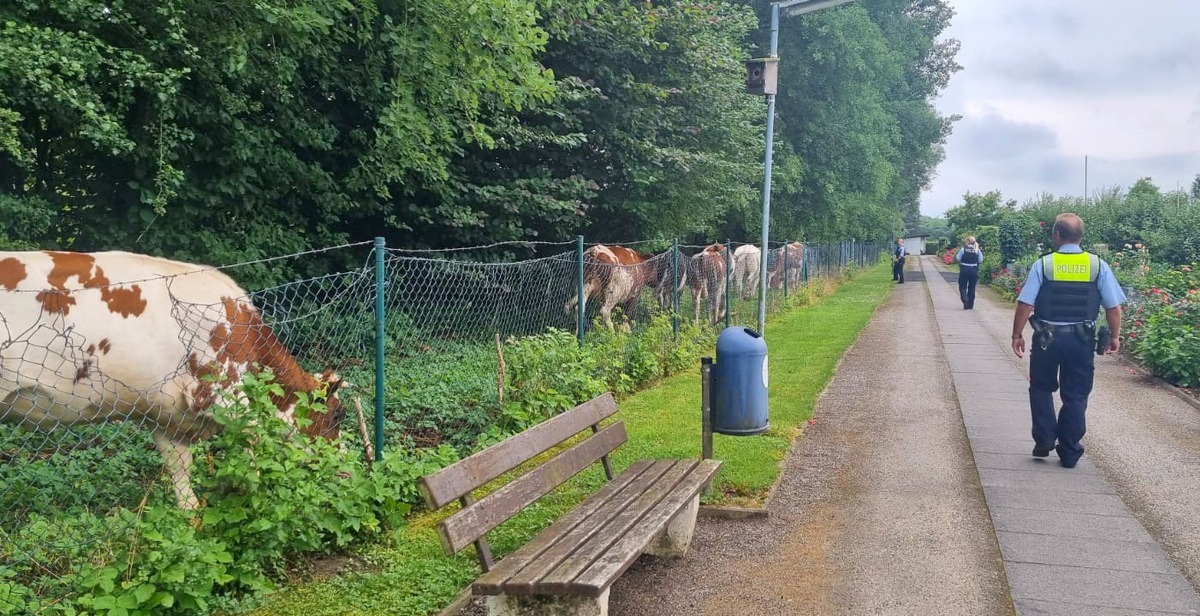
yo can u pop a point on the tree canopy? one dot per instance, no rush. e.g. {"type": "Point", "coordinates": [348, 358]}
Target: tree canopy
{"type": "Point", "coordinates": [226, 132]}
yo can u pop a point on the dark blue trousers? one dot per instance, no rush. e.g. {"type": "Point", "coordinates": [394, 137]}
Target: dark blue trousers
{"type": "Point", "coordinates": [1068, 366]}
{"type": "Point", "coordinates": [968, 277]}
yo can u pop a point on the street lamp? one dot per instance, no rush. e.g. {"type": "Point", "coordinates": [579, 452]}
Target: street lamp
{"type": "Point", "coordinates": [793, 8]}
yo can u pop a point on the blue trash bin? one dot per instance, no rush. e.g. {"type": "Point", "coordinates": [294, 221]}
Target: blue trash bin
{"type": "Point", "coordinates": [739, 383]}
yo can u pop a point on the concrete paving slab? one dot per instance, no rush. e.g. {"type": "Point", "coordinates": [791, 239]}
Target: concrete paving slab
{"type": "Point", "coordinates": [1102, 588]}
{"type": "Point", "coordinates": [1070, 545]}
{"type": "Point", "coordinates": [1014, 445]}
{"type": "Point", "coordinates": [1002, 428]}
{"type": "Point", "coordinates": [1026, 462]}
{"type": "Point", "coordinates": [976, 365]}
{"type": "Point", "coordinates": [1093, 552]}
{"type": "Point", "coordinates": [1088, 483]}
{"type": "Point", "coordinates": [1070, 525]}
{"type": "Point", "coordinates": [1058, 608]}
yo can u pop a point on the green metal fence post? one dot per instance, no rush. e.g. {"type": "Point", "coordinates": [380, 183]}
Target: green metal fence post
{"type": "Point", "coordinates": [728, 276]}
{"type": "Point", "coordinates": [579, 289]}
{"type": "Point", "coordinates": [380, 249]}
{"type": "Point", "coordinates": [675, 287]}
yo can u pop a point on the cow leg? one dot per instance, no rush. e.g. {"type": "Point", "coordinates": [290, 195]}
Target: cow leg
{"type": "Point", "coordinates": [178, 459]}
{"type": "Point", "coordinates": [610, 302]}
{"type": "Point", "coordinates": [572, 303]}
{"type": "Point", "coordinates": [717, 295]}
{"type": "Point", "coordinates": [630, 309]}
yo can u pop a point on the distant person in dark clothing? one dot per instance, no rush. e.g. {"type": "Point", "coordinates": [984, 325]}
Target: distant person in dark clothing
{"type": "Point", "coordinates": [969, 257]}
{"type": "Point", "coordinates": [898, 261]}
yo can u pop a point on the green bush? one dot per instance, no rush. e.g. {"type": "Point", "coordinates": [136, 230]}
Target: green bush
{"type": "Point", "coordinates": [1162, 325]}
{"type": "Point", "coordinates": [1006, 284]}
{"type": "Point", "coordinates": [1012, 240]}
{"type": "Point", "coordinates": [546, 375]}
{"type": "Point", "coordinates": [270, 493]}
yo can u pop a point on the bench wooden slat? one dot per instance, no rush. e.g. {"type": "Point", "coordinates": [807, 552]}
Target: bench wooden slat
{"type": "Point", "coordinates": [452, 482]}
{"type": "Point", "coordinates": [614, 493]}
{"type": "Point", "coordinates": [558, 580]}
{"type": "Point", "coordinates": [562, 545]}
{"type": "Point", "coordinates": [470, 523]}
{"type": "Point", "coordinates": [601, 574]}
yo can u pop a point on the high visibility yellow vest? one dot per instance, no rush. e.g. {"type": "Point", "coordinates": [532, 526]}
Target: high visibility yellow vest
{"type": "Point", "coordinates": [1069, 292]}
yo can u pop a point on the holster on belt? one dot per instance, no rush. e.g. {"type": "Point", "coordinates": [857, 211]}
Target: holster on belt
{"type": "Point", "coordinates": [1043, 334]}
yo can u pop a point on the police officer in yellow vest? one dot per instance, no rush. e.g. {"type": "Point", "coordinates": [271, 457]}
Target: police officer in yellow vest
{"type": "Point", "coordinates": [1064, 293]}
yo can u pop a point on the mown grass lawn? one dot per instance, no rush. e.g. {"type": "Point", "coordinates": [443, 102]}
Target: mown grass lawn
{"type": "Point", "coordinates": [411, 576]}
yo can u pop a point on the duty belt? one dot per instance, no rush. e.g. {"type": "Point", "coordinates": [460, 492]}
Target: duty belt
{"type": "Point", "coordinates": [1043, 332]}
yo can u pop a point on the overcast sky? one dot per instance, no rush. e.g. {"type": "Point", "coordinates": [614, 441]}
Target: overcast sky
{"type": "Point", "coordinates": [1046, 82]}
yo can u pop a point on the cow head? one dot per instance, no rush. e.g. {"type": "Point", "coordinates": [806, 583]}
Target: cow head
{"type": "Point", "coordinates": [328, 424]}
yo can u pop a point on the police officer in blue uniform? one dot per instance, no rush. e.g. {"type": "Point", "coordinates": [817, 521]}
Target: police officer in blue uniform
{"type": "Point", "coordinates": [1063, 294]}
{"type": "Point", "coordinates": [898, 261]}
{"type": "Point", "coordinates": [969, 257]}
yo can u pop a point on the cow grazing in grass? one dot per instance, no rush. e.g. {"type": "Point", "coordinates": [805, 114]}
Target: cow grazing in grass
{"type": "Point", "coordinates": [706, 272]}
{"type": "Point", "coordinates": [789, 260]}
{"type": "Point", "coordinates": [746, 267]}
{"type": "Point", "coordinates": [114, 336]}
{"type": "Point", "coordinates": [617, 275]}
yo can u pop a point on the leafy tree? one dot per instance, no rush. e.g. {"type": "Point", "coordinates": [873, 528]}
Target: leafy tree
{"type": "Point", "coordinates": [856, 85]}
{"type": "Point", "coordinates": [650, 136]}
{"type": "Point", "coordinates": [978, 210]}
{"type": "Point", "coordinates": [229, 131]}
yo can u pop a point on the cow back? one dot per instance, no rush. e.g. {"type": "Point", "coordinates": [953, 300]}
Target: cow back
{"type": "Point", "coordinates": [116, 335]}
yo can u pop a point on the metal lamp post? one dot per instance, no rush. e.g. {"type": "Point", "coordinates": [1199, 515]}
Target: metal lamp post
{"type": "Point", "coordinates": [793, 8]}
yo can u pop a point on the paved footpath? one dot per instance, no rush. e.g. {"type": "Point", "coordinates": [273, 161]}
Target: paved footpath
{"type": "Point", "coordinates": [915, 493]}
{"type": "Point", "coordinates": [1069, 543]}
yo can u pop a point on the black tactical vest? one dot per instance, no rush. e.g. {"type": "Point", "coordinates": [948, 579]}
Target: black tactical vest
{"type": "Point", "coordinates": [1068, 301]}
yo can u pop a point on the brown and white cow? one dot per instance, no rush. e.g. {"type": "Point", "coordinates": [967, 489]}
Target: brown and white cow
{"type": "Point", "coordinates": [793, 256]}
{"type": "Point", "coordinates": [617, 275]}
{"type": "Point", "coordinates": [111, 336]}
{"type": "Point", "coordinates": [706, 275]}
{"type": "Point", "coordinates": [747, 264]}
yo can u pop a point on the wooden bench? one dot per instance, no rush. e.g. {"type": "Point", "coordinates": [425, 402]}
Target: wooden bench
{"type": "Point", "coordinates": [569, 567]}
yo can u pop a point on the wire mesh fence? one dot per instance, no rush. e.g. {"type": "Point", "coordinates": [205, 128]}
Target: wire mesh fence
{"type": "Point", "coordinates": [107, 366]}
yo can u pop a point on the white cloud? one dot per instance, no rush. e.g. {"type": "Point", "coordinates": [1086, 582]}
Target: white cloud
{"type": "Point", "coordinates": [1045, 84]}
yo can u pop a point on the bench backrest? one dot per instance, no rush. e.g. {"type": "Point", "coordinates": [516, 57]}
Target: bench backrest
{"type": "Point", "coordinates": [476, 518]}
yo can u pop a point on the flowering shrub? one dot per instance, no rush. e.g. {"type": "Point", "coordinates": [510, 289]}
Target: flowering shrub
{"type": "Point", "coordinates": [1162, 324]}
{"type": "Point", "coordinates": [948, 257]}
{"type": "Point", "coordinates": [1132, 263]}
{"type": "Point", "coordinates": [1007, 284]}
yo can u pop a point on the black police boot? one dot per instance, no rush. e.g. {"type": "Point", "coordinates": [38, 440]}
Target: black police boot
{"type": "Point", "coordinates": [1042, 452]}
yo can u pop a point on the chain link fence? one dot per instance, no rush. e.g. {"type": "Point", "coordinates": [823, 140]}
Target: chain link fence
{"type": "Point", "coordinates": [83, 430]}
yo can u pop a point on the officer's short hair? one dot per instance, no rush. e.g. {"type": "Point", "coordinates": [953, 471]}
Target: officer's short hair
{"type": "Point", "coordinates": [1069, 227]}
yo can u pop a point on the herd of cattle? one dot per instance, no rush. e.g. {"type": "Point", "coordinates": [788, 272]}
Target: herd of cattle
{"type": "Point", "coordinates": [616, 277]}
{"type": "Point", "coordinates": [88, 338]}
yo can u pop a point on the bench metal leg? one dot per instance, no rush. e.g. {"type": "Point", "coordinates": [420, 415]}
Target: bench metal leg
{"type": "Point", "coordinates": [510, 605]}
{"type": "Point", "coordinates": [674, 541]}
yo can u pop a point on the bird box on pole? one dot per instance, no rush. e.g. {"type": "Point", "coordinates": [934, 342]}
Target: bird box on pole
{"type": "Point", "coordinates": [762, 76]}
